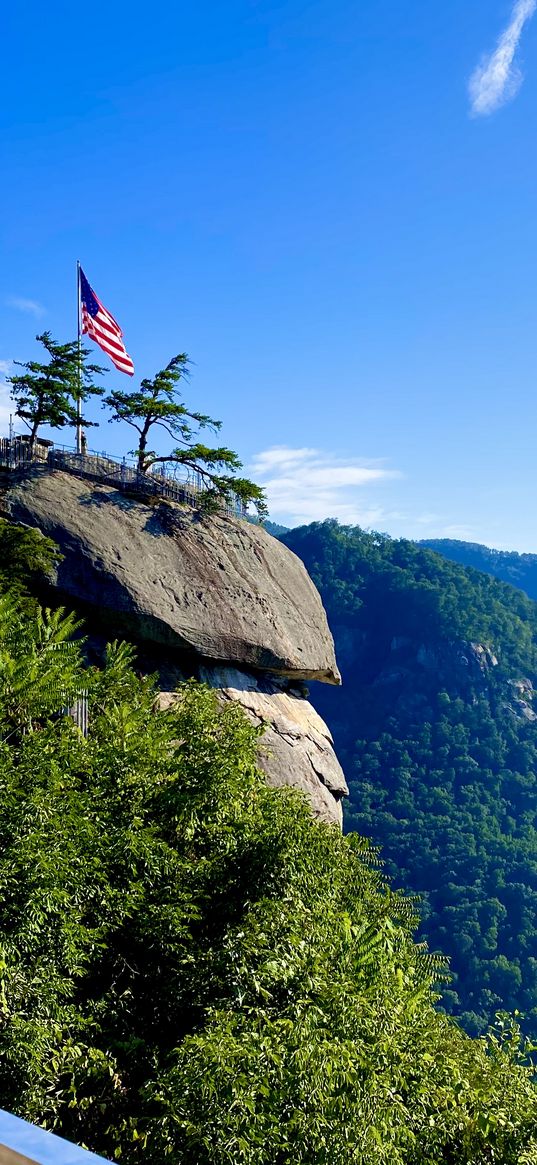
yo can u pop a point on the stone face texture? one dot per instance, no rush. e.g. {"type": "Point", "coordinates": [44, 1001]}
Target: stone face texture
{"type": "Point", "coordinates": [213, 597]}
{"type": "Point", "coordinates": [218, 586]}
{"type": "Point", "coordinates": [296, 747]}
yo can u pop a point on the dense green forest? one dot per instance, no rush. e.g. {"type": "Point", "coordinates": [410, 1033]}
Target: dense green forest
{"type": "Point", "coordinates": [437, 734]}
{"type": "Point", "coordinates": [191, 968]}
{"type": "Point", "coordinates": [518, 569]}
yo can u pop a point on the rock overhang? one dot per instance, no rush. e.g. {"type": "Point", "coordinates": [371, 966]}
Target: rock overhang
{"type": "Point", "coordinates": [217, 586]}
{"type": "Point", "coordinates": [215, 598]}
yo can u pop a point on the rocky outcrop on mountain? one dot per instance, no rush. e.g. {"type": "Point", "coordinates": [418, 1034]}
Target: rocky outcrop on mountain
{"type": "Point", "coordinates": [219, 587]}
{"type": "Point", "coordinates": [522, 701]}
{"type": "Point", "coordinates": [215, 597]}
{"type": "Point", "coordinates": [296, 747]}
{"type": "Point", "coordinates": [296, 739]}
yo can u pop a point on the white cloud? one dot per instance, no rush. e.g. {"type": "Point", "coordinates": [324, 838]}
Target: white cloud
{"type": "Point", "coordinates": [307, 485]}
{"type": "Point", "coordinates": [427, 519]}
{"type": "Point", "coordinates": [457, 530]}
{"type": "Point", "coordinates": [497, 79]}
{"type": "Point", "coordinates": [280, 456]}
{"type": "Point", "coordinates": [29, 306]}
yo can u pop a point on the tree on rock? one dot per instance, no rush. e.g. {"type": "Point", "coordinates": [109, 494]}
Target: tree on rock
{"type": "Point", "coordinates": [158, 404]}
{"type": "Point", "coordinates": [46, 394]}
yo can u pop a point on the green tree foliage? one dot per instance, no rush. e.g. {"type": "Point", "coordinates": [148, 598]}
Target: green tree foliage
{"type": "Point", "coordinates": [158, 404]}
{"type": "Point", "coordinates": [26, 557]}
{"type": "Point", "coordinates": [191, 968]}
{"type": "Point", "coordinates": [440, 749]}
{"type": "Point", "coordinates": [518, 569]}
{"type": "Point", "coordinates": [46, 394]}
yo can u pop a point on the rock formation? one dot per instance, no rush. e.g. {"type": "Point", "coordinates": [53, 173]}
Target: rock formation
{"type": "Point", "coordinates": [216, 597]}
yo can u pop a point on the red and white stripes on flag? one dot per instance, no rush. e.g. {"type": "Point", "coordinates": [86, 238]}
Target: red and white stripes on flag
{"type": "Point", "coordinates": [99, 325]}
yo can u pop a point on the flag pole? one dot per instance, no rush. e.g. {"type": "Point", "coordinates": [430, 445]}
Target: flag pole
{"type": "Point", "coordinates": [78, 399]}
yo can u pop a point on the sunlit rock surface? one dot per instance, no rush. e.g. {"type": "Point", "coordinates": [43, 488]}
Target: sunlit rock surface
{"type": "Point", "coordinates": [216, 597]}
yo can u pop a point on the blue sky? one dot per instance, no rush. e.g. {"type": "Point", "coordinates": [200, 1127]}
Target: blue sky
{"type": "Point", "coordinates": [299, 195]}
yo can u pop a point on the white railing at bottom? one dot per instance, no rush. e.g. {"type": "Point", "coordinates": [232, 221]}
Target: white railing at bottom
{"type": "Point", "coordinates": [25, 1144]}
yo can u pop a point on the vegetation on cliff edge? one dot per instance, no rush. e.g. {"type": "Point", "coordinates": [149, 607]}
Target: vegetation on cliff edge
{"type": "Point", "coordinates": [50, 393]}
{"type": "Point", "coordinates": [192, 969]}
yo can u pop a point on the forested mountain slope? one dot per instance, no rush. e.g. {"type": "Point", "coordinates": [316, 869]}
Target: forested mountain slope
{"type": "Point", "coordinates": [437, 734]}
{"type": "Point", "coordinates": [518, 569]}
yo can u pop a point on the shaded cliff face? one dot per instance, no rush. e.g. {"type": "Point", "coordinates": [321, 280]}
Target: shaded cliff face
{"type": "Point", "coordinates": [214, 597]}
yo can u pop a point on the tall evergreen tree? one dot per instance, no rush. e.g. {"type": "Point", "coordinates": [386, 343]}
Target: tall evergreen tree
{"type": "Point", "coordinates": [47, 394]}
{"type": "Point", "coordinates": [158, 404]}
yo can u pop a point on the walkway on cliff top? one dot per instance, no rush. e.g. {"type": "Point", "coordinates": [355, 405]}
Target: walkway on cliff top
{"type": "Point", "coordinates": [175, 483]}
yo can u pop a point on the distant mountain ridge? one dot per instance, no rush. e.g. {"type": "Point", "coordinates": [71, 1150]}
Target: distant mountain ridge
{"type": "Point", "coordinates": [520, 570]}
{"type": "Point", "coordinates": [436, 729]}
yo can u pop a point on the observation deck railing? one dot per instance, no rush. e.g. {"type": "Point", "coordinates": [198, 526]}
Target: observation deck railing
{"type": "Point", "coordinates": [172, 482]}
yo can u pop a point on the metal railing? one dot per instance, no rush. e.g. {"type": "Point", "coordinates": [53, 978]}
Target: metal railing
{"type": "Point", "coordinates": [123, 475]}
{"type": "Point", "coordinates": [16, 452]}
{"type": "Point", "coordinates": [172, 482]}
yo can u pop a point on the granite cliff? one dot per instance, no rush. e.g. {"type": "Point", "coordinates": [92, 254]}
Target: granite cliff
{"type": "Point", "coordinates": [213, 596]}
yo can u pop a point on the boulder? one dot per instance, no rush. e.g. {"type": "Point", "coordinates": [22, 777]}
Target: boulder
{"type": "Point", "coordinates": [217, 586]}
{"type": "Point", "coordinates": [296, 747]}
{"type": "Point", "coordinates": [214, 597]}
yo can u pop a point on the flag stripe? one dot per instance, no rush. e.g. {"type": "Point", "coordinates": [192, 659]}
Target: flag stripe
{"type": "Point", "coordinates": [108, 342]}
{"type": "Point", "coordinates": [100, 325]}
{"type": "Point", "coordinates": [106, 326]}
{"type": "Point", "coordinates": [94, 323]}
{"type": "Point", "coordinates": [116, 351]}
{"type": "Point", "coordinates": [94, 326]}
{"type": "Point", "coordinates": [109, 319]}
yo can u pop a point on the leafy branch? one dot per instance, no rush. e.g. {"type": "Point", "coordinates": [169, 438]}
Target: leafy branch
{"type": "Point", "coordinates": [157, 404]}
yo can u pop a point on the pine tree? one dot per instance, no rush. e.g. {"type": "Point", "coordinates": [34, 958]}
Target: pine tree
{"type": "Point", "coordinates": [158, 404]}
{"type": "Point", "coordinates": [47, 394]}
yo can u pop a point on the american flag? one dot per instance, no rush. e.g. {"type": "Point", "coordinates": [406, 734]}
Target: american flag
{"type": "Point", "coordinates": [103, 328]}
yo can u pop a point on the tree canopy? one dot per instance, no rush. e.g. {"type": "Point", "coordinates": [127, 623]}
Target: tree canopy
{"type": "Point", "coordinates": [26, 557]}
{"type": "Point", "coordinates": [192, 969]}
{"type": "Point", "coordinates": [157, 404]}
{"type": "Point", "coordinates": [518, 569]}
{"type": "Point", "coordinates": [436, 730]}
{"type": "Point", "coordinates": [47, 394]}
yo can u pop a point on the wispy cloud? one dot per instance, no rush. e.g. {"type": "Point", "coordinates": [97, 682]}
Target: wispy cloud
{"type": "Point", "coordinates": [458, 530]}
{"type": "Point", "coordinates": [29, 306]}
{"type": "Point", "coordinates": [307, 485]}
{"type": "Point", "coordinates": [441, 526]}
{"type": "Point", "coordinates": [498, 78]}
